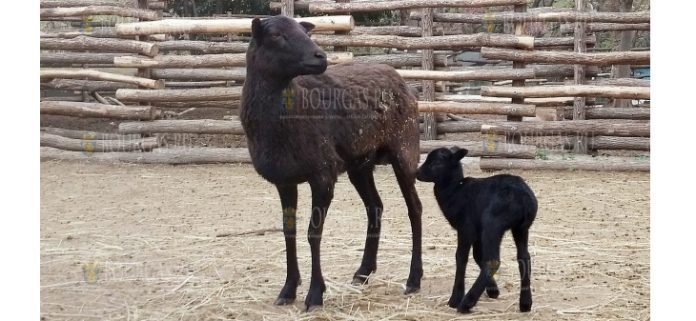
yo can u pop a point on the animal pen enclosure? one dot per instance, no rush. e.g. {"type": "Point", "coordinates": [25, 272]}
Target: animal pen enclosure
{"type": "Point", "coordinates": [153, 84]}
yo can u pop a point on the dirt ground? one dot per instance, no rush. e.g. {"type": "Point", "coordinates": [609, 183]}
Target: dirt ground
{"type": "Point", "coordinates": [134, 242]}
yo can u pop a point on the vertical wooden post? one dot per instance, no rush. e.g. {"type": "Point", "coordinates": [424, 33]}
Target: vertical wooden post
{"type": "Point", "coordinates": [519, 31]}
{"type": "Point", "coordinates": [342, 48]}
{"type": "Point", "coordinates": [580, 145]}
{"type": "Point", "coordinates": [287, 8]}
{"type": "Point", "coordinates": [429, 119]}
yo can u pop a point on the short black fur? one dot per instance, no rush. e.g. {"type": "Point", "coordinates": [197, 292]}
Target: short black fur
{"type": "Point", "coordinates": [482, 210]}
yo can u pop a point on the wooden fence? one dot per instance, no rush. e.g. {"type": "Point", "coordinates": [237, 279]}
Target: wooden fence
{"type": "Point", "coordinates": [146, 73]}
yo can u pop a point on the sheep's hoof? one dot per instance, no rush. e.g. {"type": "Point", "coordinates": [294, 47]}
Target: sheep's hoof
{"type": "Point", "coordinates": [284, 301]}
{"type": "Point", "coordinates": [312, 308]}
{"type": "Point", "coordinates": [465, 306]}
{"type": "Point", "coordinates": [525, 301]}
{"type": "Point", "coordinates": [454, 300]}
{"type": "Point", "coordinates": [360, 280]}
{"type": "Point", "coordinates": [525, 307]}
{"type": "Point", "coordinates": [411, 289]}
{"type": "Point", "coordinates": [493, 293]}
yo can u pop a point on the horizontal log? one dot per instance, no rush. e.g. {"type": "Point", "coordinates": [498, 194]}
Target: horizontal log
{"type": "Point", "coordinates": [404, 60]}
{"type": "Point", "coordinates": [633, 113]}
{"type": "Point", "coordinates": [195, 84]}
{"type": "Point", "coordinates": [85, 134]}
{"type": "Point", "coordinates": [204, 47]}
{"type": "Point", "coordinates": [158, 156]}
{"type": "Point", "coordinates": [632, 82]}
{"type": "Point", "coordinates": [100, 44]}
{"type": "Point", "coordinates": [613, 143]}
{"type": "Point", "coordinates": [603, 27]}
{"type": "Point", "coordinates": [98, 146]}
{"type": "Point", "coordinates": [539, 102]}
{"type": "Point", "coordinates": [469, 126]}
{"type": "Point", "coordinates": [483, 74]}
{"type": "Point", "coordinates": [483, 149]}
{"type": "Point", "coordinates": [96, 32]}
{"type": "Point", "coordinates": [548, 71]}
{"type": "Point", "coordinates": [435, 42]}
{"type": "Point", "coordinates": [623, 165]}
{"type": "Point", "coordinates": [93, 10]}
{"type": "Point", "coordinates": [561, 42]}
{"type": "Point", "coordinates": [564, 17]}
{"type": "Point", "coordinates": [404, 31]}
{"type": "Point", "coordinates": [95, 110]}
{"type": "Point", "coordinates": [198, 94]}
{"type": "Point", "coordinates": [71, 58]}
{"type": "Point", "coordinates": [84, 3]}
{"type": "Point", "coordinates": [571, 91]}
{"type": "Point", "coordinates": [197, 126]}
{"type": "Point", "coordinates": [50, 73]}
{"type": "Point", "coordinates": [242, 25]}
{"type": "Point", "coordinates": [202, 61]}
{"type": "Point", "coordinates": [369, 6]}
{"type": "Point", "coordinates": [232, 74]}
{"type": "Point", "coordinates": [476, 108]}
{"type": "Point", "coordinates": [562, 57]}
{"type": "Point", "coordinates": [571, 127]}
{"type": "Point", "coordinates": [85, 85]}
{"type": "Point", "coordinates": [224, 104]}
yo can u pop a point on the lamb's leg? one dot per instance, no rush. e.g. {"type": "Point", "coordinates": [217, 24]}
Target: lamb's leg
{"type": "Point", "coordinates": [364, 183]}
{"type": "Point", "coordinates": [405, 171]}
{"type": "Point", "coordinates": [490, 254]}
{"type": "Point", "coordinates": [322, 194]}
{"type": "Point", "coordinates": [462, 256]}
{"type": "Point", "coordinates": [288, 200]}
{"type": "Point", "coordinates": [521, 236]}
{"type": "Point", "coordinates": [492, 287]}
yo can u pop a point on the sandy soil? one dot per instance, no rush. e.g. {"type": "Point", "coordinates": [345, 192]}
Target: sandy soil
{"type": "Point", "coordinates": [140, 242]}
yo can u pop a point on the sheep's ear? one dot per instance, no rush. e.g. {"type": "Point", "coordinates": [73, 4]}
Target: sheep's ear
{"type": "Point", "coordinates": [256, 29]}
{"type": "Point", "coordinates": [308, 26]}
{"type": "Point", "coordinates": [459, 153]}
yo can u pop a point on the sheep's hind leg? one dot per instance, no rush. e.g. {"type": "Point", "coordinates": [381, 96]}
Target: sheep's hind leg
{"type": "Point", "coordinates": [322, 194]}
{"type": "Point", "coordinates": [490, 255]}
{"type": "Point", "coordinates": [364, 183]}
{"type": "Point", "coordinates": [521, 237]}
{"type": "Point", "coordinates": [405, 170]}
{"type": "Point", "coordinates": [288, 200]}
{"type": "Point", "coordinates": [492, 287]}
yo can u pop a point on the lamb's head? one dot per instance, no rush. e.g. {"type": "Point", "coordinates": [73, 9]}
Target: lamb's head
{"type": "Point", "coordinates": [281, 47]}
{"type": "Point", "coordinates": [442, 164]}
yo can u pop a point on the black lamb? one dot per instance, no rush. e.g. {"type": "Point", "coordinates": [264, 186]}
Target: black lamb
{"type": "Point", "coordinates": [481, 210]}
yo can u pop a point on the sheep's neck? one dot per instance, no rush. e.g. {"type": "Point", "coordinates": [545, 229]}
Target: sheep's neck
{"type": "Point", "coordinates": [263, 100]}
{"type": "Point", "coordinates": [446, 191]}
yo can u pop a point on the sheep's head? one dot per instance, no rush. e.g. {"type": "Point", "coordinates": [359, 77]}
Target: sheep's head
{"type": "Point", "coordinates": [442, 164]}
{"type": "Point", "coordinates": [281, 47]}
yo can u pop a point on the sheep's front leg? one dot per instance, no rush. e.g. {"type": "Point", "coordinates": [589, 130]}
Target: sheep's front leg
{"type": "Point", "coordinates": [288, 200]}
{"type": "Point", "coordinates": [322, 194]}
{"type": "Point", "coordinates": [462, 256]}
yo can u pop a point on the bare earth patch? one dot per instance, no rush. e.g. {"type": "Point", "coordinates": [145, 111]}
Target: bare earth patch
{"type": "Point", "coordinates": [134, 242]}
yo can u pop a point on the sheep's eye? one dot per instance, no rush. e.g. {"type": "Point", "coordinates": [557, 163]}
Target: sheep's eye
{"type": "Point", "coordinates": [277, 36]}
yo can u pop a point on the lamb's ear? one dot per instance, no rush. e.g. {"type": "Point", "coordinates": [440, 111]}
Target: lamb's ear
{"type": "Point", "coordinates": [308, 26]}
{"type": "Point", "coordinates": [459, 153]}
{"type": "Point", "coordinates": [256, 29]}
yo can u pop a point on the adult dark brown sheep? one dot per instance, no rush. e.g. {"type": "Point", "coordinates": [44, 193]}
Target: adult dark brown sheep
{"type": "Point", "coordinates": [307, 123]}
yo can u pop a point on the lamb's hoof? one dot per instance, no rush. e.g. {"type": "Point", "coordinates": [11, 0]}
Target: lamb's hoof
{"type": "Point", "coordinates": [360, 280]}
{"type": "Point", "coordinates": [465, 306]}
{"type": "Point", "coordinates": [524, 307]}
{"type": "Point", "coordinates": [493, 293]}
{"type": "Point", "coordinates": [312, 308]}
{"type": "Point", "coordinates": [284, 301]}
{"type": "Point", "coordinates": [454, 301]}
{"type": "Point", "coordinates": [411, 289]}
